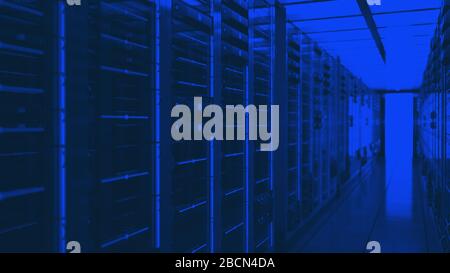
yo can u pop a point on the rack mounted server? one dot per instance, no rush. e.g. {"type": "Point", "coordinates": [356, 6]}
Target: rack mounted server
{"type": "Point", "coordinates": [29, 111]}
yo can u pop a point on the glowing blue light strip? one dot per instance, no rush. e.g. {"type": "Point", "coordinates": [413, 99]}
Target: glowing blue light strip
{"type": "Point", "coordinates": [124, 11]}
{"type": "Point", "coordinates": [20, 90]}
{"type": "Point", "coordinates": [234, 191]}
{"type": "Point", "coordinates": [123, 71]}
{"type": "Point", "coordinates": [20, 192]}
{"type": "Point", "coordinates": [19, 227]}
{"type": "Point", "coordinates": [191, 161]}
{"type": "Point", "coordinates": [247, 163]}
{"type": "Point", "coordinates": [198, 248]}
{"type": "Point", "coordinates": [123, 117]}
{"type": "Point", "coordinates": [262, 242]}
{"type": "Point", "coordinates": [193, 206]}
{"type": "Point", "coordinates": [123, 41]}
{"type": "Point", "coordinates": [123, 177]}
{"type": "Point", "coordinates": [21, 49]}
{"type": "Point", "coordinates": [20, 130]}
{"type": "Point", "coordinates": [211, 145]}
{"type": "Point", "coordinates": [299, 131]}
{"type": "Point", "coordinates": [21, 8]}
{"type": "Point", "coordinates": [62, 127]}
{"type": "Point", "coordinates": [233, 154]}
{"type": "Point", "coordinates": [262, 180]}
{"type": "Point", "coordinates": [234, 228]}
{"type": "Point", "coordinates": [272, 70]}
{"type": "Point", "coordinates": [157, 130]}
{"type": "Point", "coordinates": [124, 237]}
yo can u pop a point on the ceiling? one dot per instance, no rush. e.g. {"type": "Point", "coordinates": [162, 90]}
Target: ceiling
{"type": "Point", "coordinates": [405, 26]}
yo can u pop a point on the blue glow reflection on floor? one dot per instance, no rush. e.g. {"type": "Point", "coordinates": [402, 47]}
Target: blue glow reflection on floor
{"type": "Point", "coordinates": [399, 148]}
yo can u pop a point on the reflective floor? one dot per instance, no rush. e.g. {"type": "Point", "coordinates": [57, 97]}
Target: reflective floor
{"type": "Point", "coordinates": [375, 211]}
{"type": "Point", "coordinates": [385, 203]}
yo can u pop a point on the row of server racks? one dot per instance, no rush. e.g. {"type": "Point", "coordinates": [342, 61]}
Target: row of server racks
{"type": "Point", "coordinates": [85, 147]}
{"type": "Point", "coordinates": [432, 127]}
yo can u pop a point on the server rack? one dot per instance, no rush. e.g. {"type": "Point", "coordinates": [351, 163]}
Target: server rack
{"type": "Point", "coordinates": [191, 37]}
{"type": "Point", "coordinates": [344, 124]}
{"type": "Point", "coordinates": [294, 128]}
{"type": "Point", "coordinates": [333, 101]}
{"type": "Point", "coordinates": [362, 125]}
{"type": "Point", "coordinates": [326, 109]}
{"type": "Point", "coordinates": [120, 81]}
{"type": "Point", "coordinates": [333, 123]}
{"type": "Point", "coordinates": [431, 123]}
{"type": "Point", "coordinates": [28, 149]}
{"type": "Point", "coordinates": [235, 156]}
{"type": "Point", "coordinates": [445, 55]}
{"type": "Point", "coordinates": [375, 116]}
{"type": "Point", "coordinates": [263, 71]}
{"type": "Point", "coordinates": [355, 126]}
{"type": "Point", "coordinates": [307, 186]}
{"type": "Point", "coordinates": [318, 157]}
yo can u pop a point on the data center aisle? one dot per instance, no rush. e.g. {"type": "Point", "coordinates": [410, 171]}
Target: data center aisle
{"type": "Point", "coordinates": [401, 224]}
{"type": "Point", "coordinates": [385, 203]}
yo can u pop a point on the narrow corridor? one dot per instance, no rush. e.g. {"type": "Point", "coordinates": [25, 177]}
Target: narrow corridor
{"type": "Point", "coordinates": [367, 214]}
{"type": "Point", "coordinates": [386, 202]}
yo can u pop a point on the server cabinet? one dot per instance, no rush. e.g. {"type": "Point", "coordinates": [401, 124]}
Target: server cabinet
{"type": "Point", "coordinates": [263, 69]}
{"type": "Point", "coordinates": [294, 128]}
{"type": "Point", "coordinates": [325, 144]}
{"type": "Point", "coordinates": [110, 86]}
{"type": "Point", "coordinates": [190, 163]}
{"type": "Point", "coordinates": [343, 124]}
{"type": "Point", "coordinates": [307, 185]}
{"type": "Point", "coordinates": [445, 55]}
{"type": "Point", "coordinates": [28, 147]}
{"type": "Point", "coordinates": [375, 114]}
{"type": "Point", "coordinates": [354, 116]}
{"type": "Point", "coordinates": [318, 125]}
{"type": "Point", "coordinates": [432, 125]}
{"type": "Point", "coordinates": [121, 79]}
{"type": "Point", "coordinates": [361, 112]}
{"type": "Point", "coordinates": [333, 123]}
{"type": "Point", "coordinates": [234, 161]}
